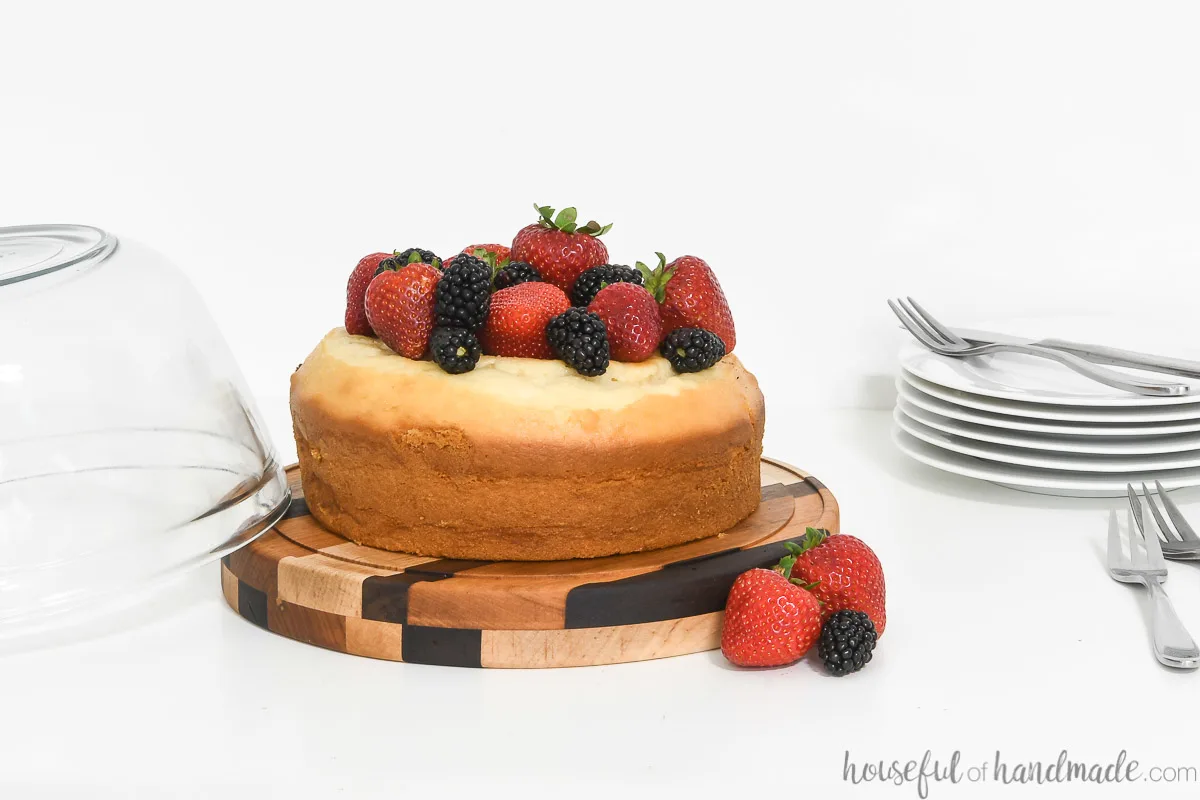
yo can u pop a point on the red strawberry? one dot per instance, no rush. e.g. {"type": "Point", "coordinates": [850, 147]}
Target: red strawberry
{"type": "Point", "coordinates": [846, 572]}
{"type": "Point", "coordinates": [356, 294]}
{"type": "Point", "coordinates": [400, 307]}
{"type": "Point", "coordinates": [500, 254]}
{"type": "Point", "coordinates": [516, 324]}
{"type": "Point", "coordinates": [769, 619]}
{"type": "Point", "coordinates": [630, 316]}
{"type": "Point", "coordinates": [558, 248]}
{"type": "Point", "coordinates": [691, 297]}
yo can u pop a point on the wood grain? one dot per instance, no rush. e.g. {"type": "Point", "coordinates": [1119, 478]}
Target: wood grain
{"type": "Point", "coordinates": [308, 584]}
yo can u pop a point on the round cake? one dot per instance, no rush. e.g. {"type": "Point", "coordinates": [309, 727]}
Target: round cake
{"type": "Point", "coordinates": [523, 458]}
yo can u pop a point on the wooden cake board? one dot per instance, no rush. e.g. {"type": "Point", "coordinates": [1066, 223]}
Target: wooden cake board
{"type": "Point", "coordinates": [305, 583]}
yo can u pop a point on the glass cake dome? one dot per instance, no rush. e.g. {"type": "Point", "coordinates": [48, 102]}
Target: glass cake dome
{"type": "Point", "coordinates": [129, 446]}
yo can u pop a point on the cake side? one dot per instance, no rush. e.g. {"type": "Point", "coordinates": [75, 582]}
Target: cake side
{"type": "Point", "coordinates": [521, 459]}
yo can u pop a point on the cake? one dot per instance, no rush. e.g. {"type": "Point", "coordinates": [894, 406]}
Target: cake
{"type": "Point", "coordinates": [454, 419]}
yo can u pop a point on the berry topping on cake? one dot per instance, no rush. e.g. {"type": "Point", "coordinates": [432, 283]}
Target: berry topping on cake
{"type": "Point", "coordinates": [516, 323]}
{"type": "Point", "coordinates": [593, 279]}
{"type": "Point", "coordinates": [770, 618]}
{"type": "Point", "coordinates": [691, 297]}
{"type": "Point", "coordinates": [692, 349]}
{"type": "Point", "coordinates": [400, 307]}
{"type": "Point", "coordinates": [846, 642]}
{"type": "Point", "coordinates": [515, 273]}
{"type": "Point", "coordinates": [559, 248]}
{"type": "Point", "coordinates": [456, 350]}
{"type": "Point", "coordinates": [577, 336]}
{"type": "Point", "coordinates": [630, 317]}
{"type": "Point", "coordinates": [356, 294]}
{"type": "Point", "coordinates": [463, 293]}
{"type": "Point", "coordinates": [847, 574]}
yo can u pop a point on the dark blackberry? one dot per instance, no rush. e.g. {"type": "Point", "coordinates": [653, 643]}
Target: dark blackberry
{"type": "Point", "coordinates": [405, 257]}
{"type": "Point", "coordinates": [593, 279]}
{"type": "Point", "coordinates": [456, 350]}
{"type": "Point", "coordinates": [578, 337]}
{"type": "Point", "coordinates": [846, 642]}
{"type": "Point", "coordinates": [692, 349]}
{"type": "Point", "coordinates": [463, 294]}
{"type": "Point", "coordinates": [517, 272]}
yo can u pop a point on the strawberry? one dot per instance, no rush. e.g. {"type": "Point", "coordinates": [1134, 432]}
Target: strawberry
{"type": "Point", "coordinates": [559, 248]}
{"type": "Point", "coordinates": [630, 316]}
{"type": "Point", "coordinates": [690, 296]}
{"type": "Point", "coordinates": [846, 572]}
{"type": "Point", "coordinates": [356, 294]}
{"type": "Point", "coordinates": [516, 324]}
{"type": "Point", "coordinates": [500, 255]}
{"type": "Point", "coordinates": [400, 307]}
{"type": "Point", "coordinates": [770, 620]}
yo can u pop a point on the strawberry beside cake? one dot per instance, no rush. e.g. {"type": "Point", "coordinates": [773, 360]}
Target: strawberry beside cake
{"type": "Point", "coordinates": [532, 403]}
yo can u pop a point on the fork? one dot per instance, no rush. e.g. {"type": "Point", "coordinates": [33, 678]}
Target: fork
{"type": "Point", "coordinates": [1144, 564]}
{"type": "Point", "coordinates": [1179, 543]}
{"type": "Point", "coordinates": [940, 339]}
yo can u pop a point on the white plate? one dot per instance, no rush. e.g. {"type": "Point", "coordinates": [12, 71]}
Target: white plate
{"type": "Point", "coordinates": [1048, 411]}
{"type": "Point", "coordinates": [1069, 462]}
{"type": "Point", "coordinates": [1027, 379]}
{"type": "Point", "coordinates": [1039, 481]}
{"type": "Point", "coordinates": [1059, 443]}
{"type": "Point", "coordinates": [928, 402]}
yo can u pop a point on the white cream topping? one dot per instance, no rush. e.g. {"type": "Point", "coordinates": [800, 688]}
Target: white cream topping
{"type": "Point", "coordinates": [532, 382]}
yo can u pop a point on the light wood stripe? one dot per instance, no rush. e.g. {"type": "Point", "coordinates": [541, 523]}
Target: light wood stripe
{"type": "Point", "coordinates": [367, 637]}
{"type": "Point", "coordinates": [229, 587]}
{"type": "Point", "coordinates": [589, 646]}
{"type": "Point", "coordinates": [324, 583]}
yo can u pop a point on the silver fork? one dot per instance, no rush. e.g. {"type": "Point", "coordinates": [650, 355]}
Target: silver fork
{"type": "Point", "coordinates": [1173, 645]}
{"type": "Point", "coordinates": [940, 339]}
{"type": "Point", "coordinates": [1179, 543]}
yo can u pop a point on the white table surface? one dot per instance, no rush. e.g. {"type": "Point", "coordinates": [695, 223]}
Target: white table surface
{"type": "Point", "coordinates": [1004, 633]}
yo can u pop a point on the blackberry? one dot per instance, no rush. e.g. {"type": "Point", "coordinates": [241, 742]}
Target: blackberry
{"type": "Point", "coordinates": [463, 294]}
{"type": "Point", "coordinates": [846, 642]}
{"type": "Point", "coordinates": [516, 272]}
{"type": "Point", "coordinates": [404, 258]}
{"type": "Point", "coordinates": [456, 350]}
{"type": "Point", "coordinates": [578, 337]}
{"type": "Point", "coordinates": [593, 279]}
{"type": "Point", "coordinates": [692, 349]}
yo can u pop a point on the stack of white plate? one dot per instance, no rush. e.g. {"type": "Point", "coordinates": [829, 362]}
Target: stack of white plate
{"type": "Point", "coordinates": [1033, 425]}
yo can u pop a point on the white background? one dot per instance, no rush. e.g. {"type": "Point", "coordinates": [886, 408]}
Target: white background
{"type": "Point", "coordinates": [989, 158]}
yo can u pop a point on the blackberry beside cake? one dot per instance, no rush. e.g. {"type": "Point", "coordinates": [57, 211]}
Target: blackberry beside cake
{"type": "Point", "coordinates": [468, 410]}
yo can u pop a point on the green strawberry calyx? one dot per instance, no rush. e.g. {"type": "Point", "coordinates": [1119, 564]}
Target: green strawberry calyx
{"type": "Point", "coordinates": [656, 279]}
{"type": "Point", "coordinates": [784, 567]}
{"type": "Point", "coordinates": [566, 221]}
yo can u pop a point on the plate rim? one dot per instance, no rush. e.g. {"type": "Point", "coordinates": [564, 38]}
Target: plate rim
{"type": "Point", "coordinates": [1054, 412]}
{"type": "Point", "coordinates": [982, 451]}
{"type": "Point", "coordinates": [1036, 440]}
{"type": "Point", "coordinates": [1017, 423]}
{"type": "Point", "coordinates": [1087, 481]}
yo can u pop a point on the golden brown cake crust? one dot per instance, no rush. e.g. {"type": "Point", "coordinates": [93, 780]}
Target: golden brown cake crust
{"type": "Point", "coordinates": [522, 459]}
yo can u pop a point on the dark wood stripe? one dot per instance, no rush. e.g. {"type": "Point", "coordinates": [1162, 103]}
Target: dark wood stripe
{"type": "Point", "coordinates": [298, 508]}
{"type": "Point", "coordinates": [446, 567]}
{"type": "Point", "coordinates": [802, 489]}
{"type": "Point", "coordinates": [447, 647]}
{"type": "Point", "coordinates": [252, 604]}
{"type": "Point", "coordinates": [225, 560]}
{"type": "Point", "coordinates": [686, 589]}
{"type": "Point", "coordinates": [385, 597]}
{"type": "Point", "coordinates": [816, 484]}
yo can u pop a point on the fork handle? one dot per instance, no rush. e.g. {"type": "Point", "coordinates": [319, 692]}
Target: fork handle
{"type": "Point", "coordinates": [1173, 645]}
{"type": "Point", "coordinates": [1109, 377]}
